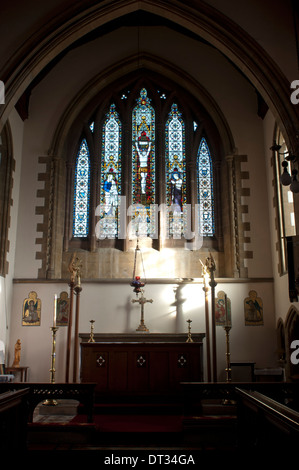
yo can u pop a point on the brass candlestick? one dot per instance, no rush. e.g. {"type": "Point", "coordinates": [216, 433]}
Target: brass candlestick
{"type": "Point", "coordinates": [91, 338]}
{"type": "Point", "coordinates": [206, 278]}
{"type": "Point", "coordinates": [189, 339]}
{"type": "Point", "coordinates": [51, 401]}
{"type": "Point", "coordinates": [228, 368]}
{"type": "Point", "coordinates": [228, 401]}
{"type": "Point", "coordinates": [211, 268]}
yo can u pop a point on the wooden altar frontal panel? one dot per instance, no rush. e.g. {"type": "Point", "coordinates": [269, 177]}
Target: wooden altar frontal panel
{"type": "Point", "coordinates": [140, 367]}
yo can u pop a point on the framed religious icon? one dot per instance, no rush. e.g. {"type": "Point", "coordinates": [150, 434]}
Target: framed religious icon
{"type": "Point", "coordinates": [63, 306]}
{"type": "Point", "coordinates": [223, 310]}
{"type": "Point", "coordinates": [253, 308]}
{"type": "Point", "coordinates": [31, 314]}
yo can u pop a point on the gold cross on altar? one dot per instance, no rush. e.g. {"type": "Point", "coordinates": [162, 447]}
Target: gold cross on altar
{"type": "Point", "coordinates": [142, 300]}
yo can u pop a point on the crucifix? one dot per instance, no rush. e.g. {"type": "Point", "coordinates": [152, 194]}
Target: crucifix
{"type": "Point", "coordinates": [142, 300]}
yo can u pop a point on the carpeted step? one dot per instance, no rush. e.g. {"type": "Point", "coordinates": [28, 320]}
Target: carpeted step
{"type": "Point", "coordinates": [140, 423]}
{"type": "Point", "coordinates": [73, 432]}
{"type": "Point", "coordinates": [210, 430]}
{"type": "Point", "coordinates": [137, 409]}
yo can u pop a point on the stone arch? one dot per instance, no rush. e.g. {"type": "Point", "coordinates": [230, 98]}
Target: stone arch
{"type": "Point", "coordinates": [124, 68]}
{"type": "Point", "coordinates": [78, 113]}
{"type": "Point", "coordinates": [7, 167]}
{"type": "Point", "coordinates": [202, 20]}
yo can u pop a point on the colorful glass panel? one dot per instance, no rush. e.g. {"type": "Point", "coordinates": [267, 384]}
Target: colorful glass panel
{"type": "Point", "coordinates": [110, 174]}
{"type": "Point", "coordinates": [175, 171]}
{"type": "Point", "coordinates": [205, 190]}
{"type": "Point", "coordinates": [81, 196]}
{"type": "Point", "coordinates": [143, 163]}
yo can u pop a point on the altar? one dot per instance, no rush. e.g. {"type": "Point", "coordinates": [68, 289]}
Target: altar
{"type": "Point", "coordinates": [140, 364]}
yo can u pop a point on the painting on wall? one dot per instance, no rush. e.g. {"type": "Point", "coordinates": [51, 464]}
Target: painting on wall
{"type": "Point", "coordinates": [223, 310]}
{"type": "Point", "coordinates": [31, 314]}
{"type": "Point", "coordinates": [63, 306]}
{"type": "Point", "coordinates": [253, 309]}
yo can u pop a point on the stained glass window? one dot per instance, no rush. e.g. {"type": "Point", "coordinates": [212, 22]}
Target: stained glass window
{"type": "Point", "coordinates": [143, 164]}
{"type": "Point", "coordinates": [82, 187]}
{"type": "Point", "coordinates": [175, 171]}
{"type": "Point", "coordinates": [140, 197]}
{"type": "Point", "coordinates": [110, 174]}
{"type": "Point", "coordinates": [205, 190]}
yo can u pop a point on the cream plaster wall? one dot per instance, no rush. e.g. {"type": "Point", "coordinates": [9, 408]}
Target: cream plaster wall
{"type": "Point", "coordinates": [109, 304]}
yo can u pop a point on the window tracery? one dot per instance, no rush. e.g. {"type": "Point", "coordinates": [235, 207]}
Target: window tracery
{"type": "Point", "coordinates": [144, 169]}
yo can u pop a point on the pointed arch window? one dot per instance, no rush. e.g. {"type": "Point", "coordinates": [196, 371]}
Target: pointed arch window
{"type": "Point", "coordinates": [175, 171]}
{"type": "Point", "coordinates": [143, 164]}
{"type": "Point", "coordinates": [110, 174]}
{"type": "Point", "coordinates": [205, 196]}
{"type": "Point", "coordinates": [122, 141]}
{"type": "Point", "coordinates": [82, 192]}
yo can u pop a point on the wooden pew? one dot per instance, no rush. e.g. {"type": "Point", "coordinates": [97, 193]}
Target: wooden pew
{"type": "Point", "coordinates": [266, 424]}
{"type": "Point", "coordinates": [13, 420]}
{"type": "Point", "coordinates": [38, 392]}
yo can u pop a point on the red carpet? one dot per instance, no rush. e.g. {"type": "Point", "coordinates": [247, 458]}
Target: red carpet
{"type": "Point", "coordinates": [134, 423]}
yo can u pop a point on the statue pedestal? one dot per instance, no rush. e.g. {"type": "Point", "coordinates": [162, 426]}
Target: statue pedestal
{"type": "Point", "coordinates": [18, 369]}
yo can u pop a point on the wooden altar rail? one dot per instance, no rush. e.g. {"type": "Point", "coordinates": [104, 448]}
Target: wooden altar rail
{"type": "Point", "coordinates": [13, 420]}
{"type": "Point", "coordinates": [195, 393]}
{"type": "Point", "coordinates": [265, 423]}
{"type": "Point", "coordinates": [39, 392]}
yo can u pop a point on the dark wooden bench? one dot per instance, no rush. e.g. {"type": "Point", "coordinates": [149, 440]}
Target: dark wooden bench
{"type": "Point", "coordinates": [13, 420]}
{"type": "Point", "coordinates": [39, 392]}
{"type": "Point", "coordinates": [265, 423]}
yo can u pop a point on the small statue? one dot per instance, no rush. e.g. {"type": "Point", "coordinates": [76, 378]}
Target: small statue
{"type": "Point", "coordinates": [16, 362]}
{"type": "Point", "coordinates": [210, 264]}
{"type": "Point", "coordinates": [204, 269]}
{"type": "Point", "coordinates": [75, 270]}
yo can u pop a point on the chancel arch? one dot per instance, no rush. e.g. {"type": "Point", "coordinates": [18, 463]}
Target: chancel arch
{"type": "Point", "coordinates": [7, 167]}
{"type": "Point", "coordinates": [203, 21]}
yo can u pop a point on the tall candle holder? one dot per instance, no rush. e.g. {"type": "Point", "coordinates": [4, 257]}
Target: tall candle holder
{"type": "Point", "coordinates": [228, 370]}
{"type": "Point", "coordinates": [189, 339]}
{"type": "Point", "coordinates": [228, 401]}
{"type": "Point", "coordinates": [91, 338]}
{"type": "Point", "coordinates": [78, 290]}
{"type": "Point", "coordinates": [211, 268]}
{"type": "Point", "coordinates": [51, 401]}
{"type": "Point", "coordinates": [206, 278]}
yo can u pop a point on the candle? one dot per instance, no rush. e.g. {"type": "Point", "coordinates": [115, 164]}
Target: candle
{"type": "Point", "coordinates": [226, 312]}
{"type": "Point", "coordinates": [55, 310]}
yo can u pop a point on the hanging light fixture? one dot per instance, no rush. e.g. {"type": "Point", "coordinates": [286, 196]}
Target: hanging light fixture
{"type": "Point", "coordinates": [294, 187]}
{"type": "Point", "coordinates": [286, 179]}
{"type": "Point", "coordinates": [137, 283]}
